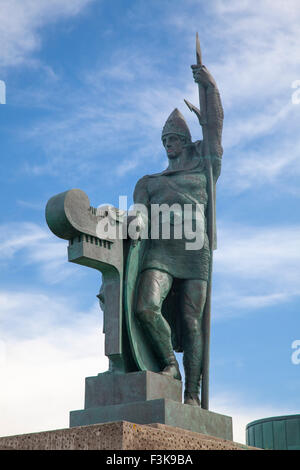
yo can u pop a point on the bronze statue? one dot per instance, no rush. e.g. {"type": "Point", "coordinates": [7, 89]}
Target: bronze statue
{"type": "Point", "coordinates": [168, 269]}
{"type": "Point", "coordinates": [156, 291]}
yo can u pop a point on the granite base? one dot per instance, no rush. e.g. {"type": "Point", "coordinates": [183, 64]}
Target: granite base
{"type": "Point", "coordinates": [118, 436]}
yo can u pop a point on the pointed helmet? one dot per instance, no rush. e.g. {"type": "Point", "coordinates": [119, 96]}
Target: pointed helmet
{"type": "Point", "coordinates": [175, 124]}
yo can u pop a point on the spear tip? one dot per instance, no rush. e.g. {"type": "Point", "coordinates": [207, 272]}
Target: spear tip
{"type": "Point", "coordinates": [198, 50]}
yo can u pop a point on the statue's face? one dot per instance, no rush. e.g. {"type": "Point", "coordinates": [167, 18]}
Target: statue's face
{"type": "Point", "coordinates": [173, 145]}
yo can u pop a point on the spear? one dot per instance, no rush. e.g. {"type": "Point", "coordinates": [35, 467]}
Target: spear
{"type": "Point", "coordinates": [202, 117]}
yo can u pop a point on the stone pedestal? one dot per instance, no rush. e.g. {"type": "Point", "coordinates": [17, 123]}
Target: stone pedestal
{"type": "Point", "coordinates": [145, 397]}
{"type": "Point", "coordinates": [115, 389]}
{"type": "Point", "coordinates": [119, 436]}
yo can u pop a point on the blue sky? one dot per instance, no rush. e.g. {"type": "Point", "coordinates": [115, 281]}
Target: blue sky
{"type": "Point", "coordinates": [89, 85]}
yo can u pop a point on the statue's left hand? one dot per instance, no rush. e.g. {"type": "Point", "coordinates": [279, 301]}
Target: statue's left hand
{"type": "Point", "coordinates": [202, 76]}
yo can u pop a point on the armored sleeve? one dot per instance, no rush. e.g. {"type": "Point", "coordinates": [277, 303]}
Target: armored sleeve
{"type": "Point", "coordinates": [215, 117]}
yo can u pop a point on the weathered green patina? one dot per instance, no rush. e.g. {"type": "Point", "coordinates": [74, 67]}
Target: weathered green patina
{"type": "Point", "coordinates": [156, 293]}
{"type": "Point", "coordinates": [174, 288]}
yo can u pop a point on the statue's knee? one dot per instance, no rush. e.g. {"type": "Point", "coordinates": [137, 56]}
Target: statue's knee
{"type": "Point", "coordinates": [192, 325]}
{"type": "Point", "coordinates": [146, 315]}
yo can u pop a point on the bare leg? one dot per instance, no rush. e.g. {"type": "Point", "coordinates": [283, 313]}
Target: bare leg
{"type": "Point", "coordinates": [153, 288]}
{"type": "Point", "coordinates": [192, 299]}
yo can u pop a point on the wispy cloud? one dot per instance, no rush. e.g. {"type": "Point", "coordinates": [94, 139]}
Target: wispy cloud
{"type": "Point", "coordinates": [21, 23]}
{"type": "Point", "coordinates": [255, 268]}
{"type": "Point", "coordinates": [243, 411]}
{"type": "Point", "coordinates": [48, 346]}
{"type": "Point", "coordinates": [108, 119]}
{"type": "Point", "coordinates": [34, 245]}
{"type": "Point", "coordinates": [253, 52]}
{"type": "Point", "coordinates": [115, 113]}
{"type": "Point", "coordinates": [36, 206]}
{"type": "Point", "coordinates": [260, 251]}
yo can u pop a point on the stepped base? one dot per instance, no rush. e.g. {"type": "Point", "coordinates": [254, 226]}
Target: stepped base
{"type": "Point", "coordinates": [169, 412]}
{"type": "Point", "coordinates": [145, 397]}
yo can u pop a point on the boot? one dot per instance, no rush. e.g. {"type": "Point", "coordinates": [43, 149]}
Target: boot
{"type": "Point", "coordinates": [192, 371]}
{"type": "Point", "coordinates": [191, 398]}
{"type": "Point", "coordinates": [172, 368]}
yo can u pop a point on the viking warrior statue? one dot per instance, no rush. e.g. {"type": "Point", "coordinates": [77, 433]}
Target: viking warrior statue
{"type": "Point", "coordinates": [156, 290]}
{"type": "Point", "coordinates": [173, 290]}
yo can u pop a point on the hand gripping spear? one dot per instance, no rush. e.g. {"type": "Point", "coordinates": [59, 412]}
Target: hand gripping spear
{"type": "Point", "coordinates": [202, 117]}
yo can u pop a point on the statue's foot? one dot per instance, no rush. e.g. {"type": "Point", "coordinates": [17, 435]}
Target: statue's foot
{"type": "Point", "coordinates": [172, 370]}
{"type": "Point", "coordinates": [191, 398]}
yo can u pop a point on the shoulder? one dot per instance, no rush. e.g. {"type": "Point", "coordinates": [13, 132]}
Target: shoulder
{"type": "Point", "coordinates": [142, 182]}
{"type": "Point", "coordinates": [141, 189]}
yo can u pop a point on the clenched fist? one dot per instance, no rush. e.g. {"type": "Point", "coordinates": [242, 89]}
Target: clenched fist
{"type": "Point", "coordinates": [202, 76]}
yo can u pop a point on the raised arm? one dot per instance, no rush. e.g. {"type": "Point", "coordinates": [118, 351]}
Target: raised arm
{"type": "Point", "coordinates": [214, 115]}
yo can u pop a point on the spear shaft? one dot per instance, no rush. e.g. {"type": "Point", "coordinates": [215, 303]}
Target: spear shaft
{"type": "Point", "coordinates": [210, 226]}
{"type": "Point", "coordinates": [202, 101]}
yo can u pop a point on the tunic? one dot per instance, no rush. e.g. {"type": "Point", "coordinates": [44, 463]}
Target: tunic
{"type": "Point", "coordinates": [176, 187]}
